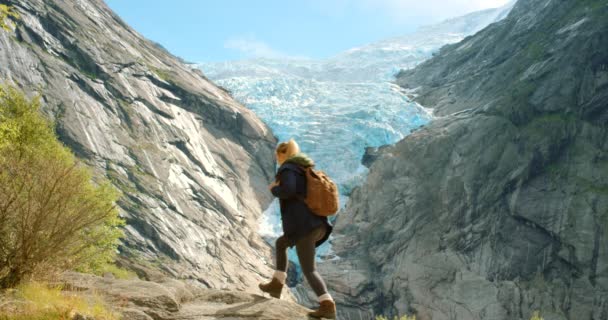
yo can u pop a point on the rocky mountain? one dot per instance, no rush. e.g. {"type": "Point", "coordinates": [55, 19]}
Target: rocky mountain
{"type": "Point", "coordinates": [193, 164]}
{"type": "Point", "coordinates": [498, 207]}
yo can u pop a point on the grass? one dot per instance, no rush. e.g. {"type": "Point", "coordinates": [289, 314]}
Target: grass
{"type": "Point", "coordinates": [89, 74]}
{"type": "Point", "coordinates": [535, 51]}
{"type": "Point", "coordinates": [38, 301]}
{"type": "Point", "coordinates": [548, 124]}
{"type": "Point", "coordinates": [118, 272]}
{"type": "Point", "coordinates": [164, 75]}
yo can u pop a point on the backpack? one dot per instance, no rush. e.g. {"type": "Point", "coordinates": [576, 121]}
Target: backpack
{"type": "Point", "coordinates": [321, 193]}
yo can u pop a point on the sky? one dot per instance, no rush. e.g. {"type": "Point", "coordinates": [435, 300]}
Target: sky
{"type": "Point", "coordinates": [220, 30]}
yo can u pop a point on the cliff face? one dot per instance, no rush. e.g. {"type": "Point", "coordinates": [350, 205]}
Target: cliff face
{"type": "Point", "coordinates": [192, 163]}
{"type": "Point", "coordinates": [499, 207]}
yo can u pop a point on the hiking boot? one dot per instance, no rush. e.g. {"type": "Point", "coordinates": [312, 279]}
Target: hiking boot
{"type": "Point", "coordinates": [274, 288]}
{"type": "Point", "coordinates": [327, 309]}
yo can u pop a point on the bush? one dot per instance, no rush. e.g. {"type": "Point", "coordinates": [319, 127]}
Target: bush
{"type": "Point", "coordinates": [52, 217]}
{"type": "Point", "coordinates": [5, 12]}
{"type": "Point", "coordinates": [36, 301]}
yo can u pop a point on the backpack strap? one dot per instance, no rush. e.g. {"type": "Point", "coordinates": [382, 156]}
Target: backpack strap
{"type": "Point", "coordinates": [290, 166]}
{"type": "Point", "coordinates": [296, 168]}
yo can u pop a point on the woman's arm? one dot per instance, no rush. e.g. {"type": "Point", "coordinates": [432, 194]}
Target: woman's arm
{"type": "Point", "coordinates": [287, 188]}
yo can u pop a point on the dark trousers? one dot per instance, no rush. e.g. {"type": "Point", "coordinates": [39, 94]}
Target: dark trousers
{"type": "Point", "coordinates": [305, 248]}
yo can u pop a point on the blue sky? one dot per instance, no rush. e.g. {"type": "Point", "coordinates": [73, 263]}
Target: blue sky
{"type": "Point", "coordinates": [203, 30]}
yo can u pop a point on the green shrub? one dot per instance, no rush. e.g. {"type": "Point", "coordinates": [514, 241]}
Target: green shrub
{"type": "Point", "coordinates": [52, 217]}
{"type": "Point", "coordinates": [536, 316]}
{"type": "Point", "coordinates": [164, 75]}
{"type": "Point", "coordinates": [5, 12]}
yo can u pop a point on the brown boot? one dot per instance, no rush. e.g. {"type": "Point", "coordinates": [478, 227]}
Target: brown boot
{"type": "Point", "coordinates": [326, 310]}
{"type": "Point", "coordinates": [274, 288]}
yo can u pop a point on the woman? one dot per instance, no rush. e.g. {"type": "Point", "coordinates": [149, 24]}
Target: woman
{"type": "Point", "coordinates": [301, 227]}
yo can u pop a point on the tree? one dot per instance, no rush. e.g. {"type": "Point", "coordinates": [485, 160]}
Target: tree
{"type": "Point", "coordinates": [52, 216]}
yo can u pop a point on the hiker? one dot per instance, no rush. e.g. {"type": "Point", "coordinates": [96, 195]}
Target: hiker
{"type": "Point", "coordinates": [301, 227]}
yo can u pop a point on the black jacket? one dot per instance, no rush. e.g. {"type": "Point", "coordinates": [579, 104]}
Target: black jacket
{"type": "Point", "coordinates": [296, 217]}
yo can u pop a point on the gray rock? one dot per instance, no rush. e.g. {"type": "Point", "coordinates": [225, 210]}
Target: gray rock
{"type": "Point", "coordinates": [193, 164]}
{"type": "Point", "coordinates": [499, 207]}
{"type": "Point", "coordinates": [79, 316]}
{"type": "Point", "coordinates": [143, 300]}
{"type": "Point", "coordinates": [371, 154]}
{"type": "Point", "coordinates": [133, 314]}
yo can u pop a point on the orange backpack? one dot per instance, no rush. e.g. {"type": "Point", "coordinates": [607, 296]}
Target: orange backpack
{"type": "Point", "coordinates": [321, 193]}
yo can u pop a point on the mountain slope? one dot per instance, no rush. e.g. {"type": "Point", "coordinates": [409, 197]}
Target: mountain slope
{"type": "Point", "coordinates": [192, 163]}
{"type": "Point", "coordinates": [499, 206]}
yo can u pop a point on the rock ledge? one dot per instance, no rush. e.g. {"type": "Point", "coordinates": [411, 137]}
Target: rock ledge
{"type": "Point", "coordinates": [181, 300]}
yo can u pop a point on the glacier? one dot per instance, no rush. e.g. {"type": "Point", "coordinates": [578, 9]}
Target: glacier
{"type": "Point", "coordinates": [336, 107]}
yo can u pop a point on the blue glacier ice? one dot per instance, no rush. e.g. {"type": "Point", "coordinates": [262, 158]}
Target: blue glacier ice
{"type": "Point", "coordinates": [336, 107]}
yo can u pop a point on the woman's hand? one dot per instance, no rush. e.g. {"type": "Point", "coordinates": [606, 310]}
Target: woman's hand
{"type": "Point", "coordinates": [273, 184]}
